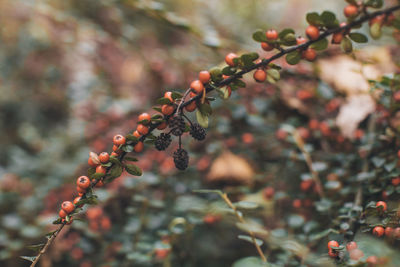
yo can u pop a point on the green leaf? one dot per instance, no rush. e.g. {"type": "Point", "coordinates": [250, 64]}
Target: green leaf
{"type": "Point", "coordinates": [248, 59]}
{"type": "Point", "coordinates": [36, 247]}
{"type": "Point", "coordinates": [329, 19]}
{"type": "Point", "coordinates": [352, 2]}
{"type": "Point", "coordinates": [320, 45]}
{"type": "Point", "coordinates": [374, 3]}
{"type": "Point", "coordinates": [249, 239]}
{"type": "Point", "coordinates": [115, 171]}
{"type": "Point", "coordinates": [205, 109]}
{"type": "Point", "coordinates": [98, 175]}
{"type": "Point", "coordinates": [130, 159]}
{"type": "Point", "coordinates": [322, 234]}
{"type": "Point", "coordinates": [58, 221]}
{"type": "Point", "coordinates": [114, 160]}
{"type": "Point", "coordinates": [31, 259]}
{"type": "Point", "coordinates": [228, 70]}
{"type": "Point", "coordinates": [132, 138]}
{"type": "Point", "coordinates": [259, 36]}
{"type": "Point", "coordinates": [202, 119]}
{"type": "Point", "coordinates": [157, 109]}
{"type": "Point", "coordinates": [289, 39]}
{"type": "Point", "coordinates": [239, 83]}
{"type": "Point", "coordinates": [293, 57]}
{"type": "Point", "coordinates": [274, 73]}
{"type": "Point", "coordinates": [208, 191]}
{"type": "Point", "coordinates": [150, 142]}
{"type": "Point", "coordinates": [91, 171]}
{"type": "Point", "coordinates": [285, 32]}
{"type": "Point", "coordinates": [246, 205]}
{"type": "Point", "coordinates": [163, 101]}
{"type": "Point", "coordinates": [108, 164]}
{"type": "Point", "coordinates": [133, 169]}
{"type": "Point", "coordinates": [223, 92]}
{"type": "Point", "coordinates": [358, 37]}
{"type": "Point", "coordinates": [346, 45]}
{"type": "Point", "coordinates": [176, 95]}
{"type": "Point", "coordinates": [127, 148]}
{"type": "Point", "coordinates": [314, 19]}
{"type": "Point", "coordinates": [156, 117]}
{"type": "Point", "coordinates": [250, 262]}
{"type": "Point", "coordinates": [375, 31]}
{"type": "Point", "coordinates": [216, 75]}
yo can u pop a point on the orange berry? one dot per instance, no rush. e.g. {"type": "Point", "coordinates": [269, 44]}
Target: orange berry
{"type": "Point", "coordinates": [104, 157]}
{"type": "Point", "coordinates": [396, 181]}
{"type": "Point", "coordinates": [142, 129]}
{"type": "Point", "coordinates": [389, 231]}
{"type": "Point", "coordinates": [396, 232]}
{"type": "Point", "coordinates": [268, 192]}
{"type": "Point", "coordinates": [80, 194]}
{"type": "Point", "coordinates": [138, 147]}
{"type": "Point", "coordinates": [162, 126]}
{"type": "Point", "coordinates": [351, 245]}
{"type": "Point", "coordinates": [99, 183]}
{"type": "Point", "coordinates": [337, 38]}
{"type": "Point", "coordinates": [266, 46]}
{"type": "Point", "coordinates": [350, 11]}
{"type": "Point", "coordinates": [333, 254]}
{"type": "Point", "coordinates": [300, 40]}
{"type": "Point", "coordinates": [312, 32]}
{"type": "Point", "coordinates": [304, 94]}
{"type": "Point", "coordinates": [115, 148]}
{"type": "Point", "coordinates": [372, 261]}
{"type": "Point", "coordinates": [161, 253]}
{"type": "Point", "coordinates": [204, 76]}
{"type": "Point", "coordinates": [229, 59]}
{"type": "Point", "coordinates": [378, 231]}
{"type": "Point", "coordinates": [119, 140]}
{"type": "Point", "coordinates": [68, 207]}
{"type": "Point", "coordinates": [168, 95]}
{"type": "Point", "coordinates": [91, 163]}
{"type": "Point", "coordinates": [67, 223]}
{"type": "Point", "coordinates": [296, 203]}
{"type": "Point", "coordinates": [306, 185]}
{"type": "Point", "coordinates": [136, 134]}
{"type": "Point", "coordinates": [167, 109]}
{"type": "Point", "coordinates": [83, 182]}
{"type": "Point", "coordinates": [313, 124]}
{"type": "Point", "coordinates": [356, 254]}
{"type": "Point", "coordinates": [80, 190]}
{"type": "Point", "coordinates": [191, 107]}
{"type": "Point", "coordinates": [381, 204]}
{"type": "Point", "coordinates": [197, 86]}
{"type": "Point", "coordinates": [211, 218]}
{"type": "Point", "coordinates": [259, 76]}
{"type": "Point", "coordinates": [101, 169]}
{"type": "Point", "coordinates": [114, 154]}
{"type": "Point", "coordinates": [144, 117]}
{"type": "Point", "coordinates": [309, 54]}
{"type": "Point", "coordinates": [271, 34]}
{"type": "Point", "coordinates": [62, 213]}
{"type": "Point", "coordinates": [378, 19]}
{"type": "Point", "coordinates": [76, 200]}
{"type": "Point", "coordinates": [332, 243]}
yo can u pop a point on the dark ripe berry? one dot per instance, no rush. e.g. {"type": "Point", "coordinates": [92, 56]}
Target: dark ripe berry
{"type": "Point", "coordinates": [197, 132]}
{"type": "Point", "coordinates": [83, 182]}
{"type": "Point", "coordinates": [177, 124]}
{"type": "Point", "coordinates": [181, 159]}
{"type": "Point", "coordinates": [163, 141]}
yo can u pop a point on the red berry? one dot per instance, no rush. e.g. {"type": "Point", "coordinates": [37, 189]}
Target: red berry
{"type": "Point", "coordinates": [101, 169]}
{"type": "Point", "coordinates": [80, 190]}
{"type": "Point", "coordinates": [396, 181]}
{"type": "Point", "coordinates": [350, 11]}
{"type": "Point", "coordinates": [337, 38]}
{"type": "Point", "coordinates": [351, 245]}
{"type": "Point", "coordinates": [204, 76]}
{"type": "Point", "coordinates": [197, 86]}
{"type": "Point", "coordinates": [83, 182]}
{"type": "Point", "coordinates": [313, 124]}
{"type": "Point", "coordinates": [312, 32]}
{"type": "Point", "coordinates": [333, 254]}
{"type": "Point", "coordinates": [138, 147]}
{"type": "Point", "coordinates": [76, 200]}
{"type": "Point", "coordinates": [271, 34]}
{"type": "Point", "coordinates": [167, 109]}
{"type": "Point", "coordinates": [268, 192]}
{"type": "Point", "coordinates": [332, 243]}
{"type": "Point", "coordinates": [144, 117]}
{"type": "Point", "coordinates": [136, 134]}
{"type": "Point", "coordinates": [68, 207]}
{"type": "Point", "coordinates": [266, 46]}
{"type": "Point", "coordinates": [372, 261]}
{"type": "Point", "coordinates": [260, 76]}
{"type": "Point", "coordinates": [229, 59]}
{"type": "Point", "coordinates": [162, 126]}
{"type": "Point", "coordinates": [310, 54]}
{"type": "Point", "coordinates": [168, 95]}
{"type": "Point", "coordinates": [91, 163]}
{"type": "Point", "coordinates": [104, 157]}
{"type": "Point", "coordinates": [142, 129]}
{"type": "Point", "coordinates": [62, 213]}
{"type": "Point", "coordinates": [191, 107]}
{"type": "Point", "coordinates": [300, 40]}
{"type": "Point", "coordinates": [356, 254]}
{"type": "Point", "coordinates": [389, 231]}
{"type": "Point", "coordinates": [119, 140]}
{"type": "Point", "coordinates": [161, 253]}
{"type": "Point", "coordinates": [378, 231]}
{"type": "Point", "coordinates": [381, 204]}
{"type": "Point", "coordinates": [296, 203]}
{"type": "Point", "coordinates": [114, 154]}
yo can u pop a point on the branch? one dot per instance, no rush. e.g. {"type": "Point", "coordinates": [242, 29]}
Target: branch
{"type": "Point", "coordinates": [226, 82]}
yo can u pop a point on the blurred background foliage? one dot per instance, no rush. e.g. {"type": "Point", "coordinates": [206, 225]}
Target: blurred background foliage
{"type": "Point", "coordinates": [75, 73]}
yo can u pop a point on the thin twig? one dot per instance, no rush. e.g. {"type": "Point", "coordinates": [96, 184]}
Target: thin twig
{"type": "Point", "coordinates": [241, 219]}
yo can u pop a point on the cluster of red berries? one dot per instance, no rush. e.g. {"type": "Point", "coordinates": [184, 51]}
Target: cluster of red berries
{"type": "Point", "coordinates": [354, 252]}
